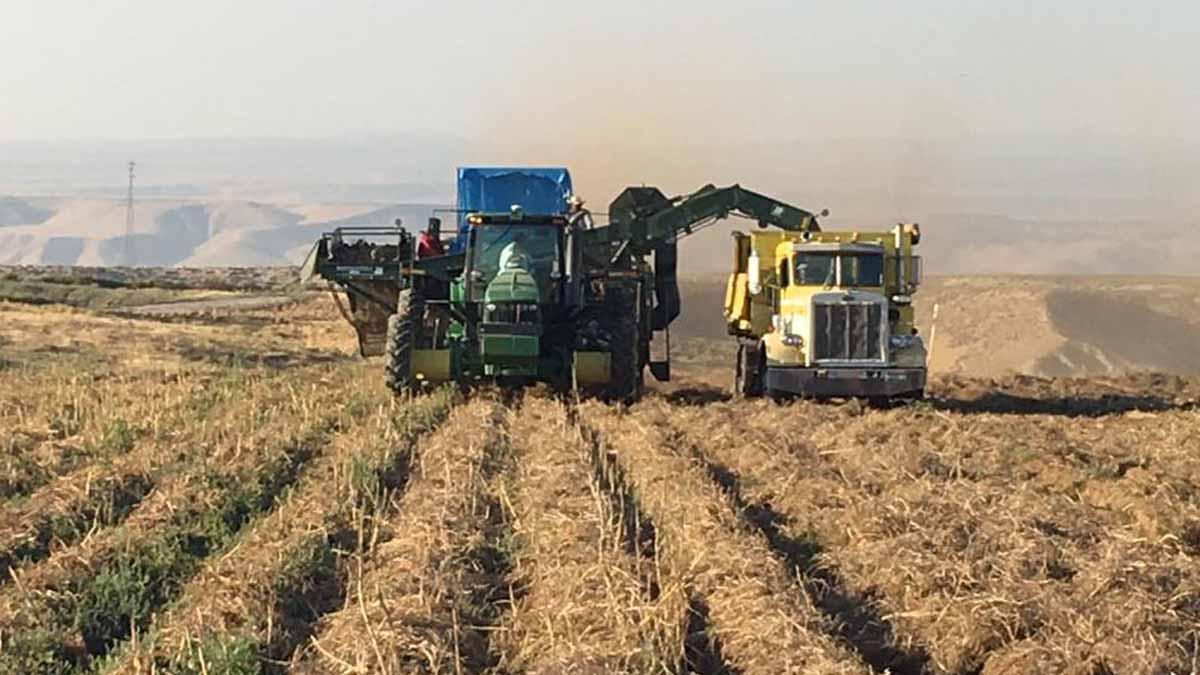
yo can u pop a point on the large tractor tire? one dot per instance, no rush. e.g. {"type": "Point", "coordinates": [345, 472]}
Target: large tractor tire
{"type": "Point", "coordinates": [625, 365]}
{"type": "Point", "coordinates": [749, 374]}
{"type": "Point", "coordinates": [403, 332]}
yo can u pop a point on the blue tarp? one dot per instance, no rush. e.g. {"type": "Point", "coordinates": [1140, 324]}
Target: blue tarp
{"type": "Point", "coordinates": [496, 190]}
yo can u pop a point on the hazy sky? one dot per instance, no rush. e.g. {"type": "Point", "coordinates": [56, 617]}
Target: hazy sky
{"type": "Point", "coordinates": [730, 70]}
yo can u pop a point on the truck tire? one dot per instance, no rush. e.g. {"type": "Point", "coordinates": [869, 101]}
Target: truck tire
{"type": "Point", "coordinates": [404, 328]}
{"type": "Point", "coordinates": [625, 367]}
{"type": "Point", "coordinates": [749, 372]}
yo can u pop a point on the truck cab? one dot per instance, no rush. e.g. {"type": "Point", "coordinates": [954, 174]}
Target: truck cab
{"type": "Point", "coordinates": [826, 313]}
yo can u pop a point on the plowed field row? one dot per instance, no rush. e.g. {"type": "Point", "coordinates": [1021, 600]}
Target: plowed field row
{"type": "Point", "coordinates": [48, 428]}
{"type": "Point", "coordinates": [1011, 545]}
{"type": "Point", "coordinates": [81, 602]}
{"type": "Point", "coordinates": [422, 600]}
{"type": "Point", "coordinates": [205, 416]}
{"type": "Point", "coordinates": [757, 618]}
{"type": "Point", "coordinates": [592, 599]}
{"type": "Point", "coordinates": [260, 601]}
{"type": "Point", "coordinates": [224, 519]}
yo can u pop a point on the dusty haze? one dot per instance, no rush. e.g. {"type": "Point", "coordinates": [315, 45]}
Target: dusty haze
{"type": "Point", "coordinates": [1026, 139]}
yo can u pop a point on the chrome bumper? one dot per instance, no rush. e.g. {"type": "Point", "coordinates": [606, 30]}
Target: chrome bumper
{"type": "Point", "coordinates": [845, 381]}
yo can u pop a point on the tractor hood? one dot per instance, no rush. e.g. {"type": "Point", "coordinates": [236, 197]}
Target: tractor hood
{"type": "Point", "coordinates": [514, 285]}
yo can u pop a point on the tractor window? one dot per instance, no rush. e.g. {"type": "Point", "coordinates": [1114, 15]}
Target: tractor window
{"type": "Point", "coordinates": [815, 269]}
{"type": "Point", "coordinates": [862, 270]}
{"type": "Point", "coordinates": [533, 248]}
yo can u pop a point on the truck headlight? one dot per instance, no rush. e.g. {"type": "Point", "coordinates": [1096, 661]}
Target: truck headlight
{"type": "Point", "coordinates": [793, 340]}
{"type": "Point", "coordinates": [902, 341]}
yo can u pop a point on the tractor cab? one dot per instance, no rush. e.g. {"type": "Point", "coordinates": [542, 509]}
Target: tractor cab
{"type": "Point", "coordinates": [513, 273]}
{"type": "Point", "coordinates": [510, 251]}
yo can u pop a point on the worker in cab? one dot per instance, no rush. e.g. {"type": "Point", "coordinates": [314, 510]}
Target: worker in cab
{"type": "Point", "coordinates": [430, 243]}
{"type": "Point", "coordinates": [514, 255]}
{"type": "Point", "coordinates": [578, 217]}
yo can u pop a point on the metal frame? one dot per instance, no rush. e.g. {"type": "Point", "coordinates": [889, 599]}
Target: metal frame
{"type": "Point", "coordinates": [858, 297]}
{"type": "Point", "coordinates": [344, 273]}
{"type": "Point", "coordinates": [841, 381]}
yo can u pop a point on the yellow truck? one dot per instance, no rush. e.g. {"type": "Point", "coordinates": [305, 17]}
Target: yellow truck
{"type": "Point", "coordinates": [826, 314]}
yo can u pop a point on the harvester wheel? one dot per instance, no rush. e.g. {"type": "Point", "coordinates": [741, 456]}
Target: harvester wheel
{"type": "Point", "coordinates": [748, 375]}
{"type": "Point", "coordinates": [625, 368]}
{"type": "Point", "coordinates": [404, 328]}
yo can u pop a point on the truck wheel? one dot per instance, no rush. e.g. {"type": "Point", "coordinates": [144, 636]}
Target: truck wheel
{"type": "Point", "coordinates": [748, 373]}
{"type": "Point", "coordinates": [404, 328]}
{"type": "Point", "coordinates": [625, 368]}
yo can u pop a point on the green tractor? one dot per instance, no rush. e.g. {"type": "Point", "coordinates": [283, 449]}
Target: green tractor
{"type": "Point", "coordinates": [531, 297]}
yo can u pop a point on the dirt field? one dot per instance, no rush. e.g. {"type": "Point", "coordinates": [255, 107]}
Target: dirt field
{"type": "Point", "coordinates": [230, 491]}
{"type": "Point", "coordinates": [985, 327]}
{"type": "Point", "coordinates": [1045, 326]}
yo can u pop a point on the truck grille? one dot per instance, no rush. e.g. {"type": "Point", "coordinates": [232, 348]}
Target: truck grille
{"type": "Point", "coordinates": [848, 331]}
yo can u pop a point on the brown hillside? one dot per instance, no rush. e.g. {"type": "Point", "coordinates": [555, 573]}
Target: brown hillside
{"type": "Point", "coordinates": [1051, 326]}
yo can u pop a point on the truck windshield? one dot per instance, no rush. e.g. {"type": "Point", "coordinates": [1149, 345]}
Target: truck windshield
{"type": "Point", "coordinates": [862, 270]}
{"type": "Point", "coordinates": [502, 246]}
{"type": "Point", "coordinates": [822, 269]}
{"type": "Point", "coordinates": [815, 269]}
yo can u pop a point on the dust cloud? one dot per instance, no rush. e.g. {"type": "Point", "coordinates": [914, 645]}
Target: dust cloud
{"type": "Point", "coordinates": [988, 205]}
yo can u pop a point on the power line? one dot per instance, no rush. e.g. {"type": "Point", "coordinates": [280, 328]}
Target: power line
{"type": "Point", "coordinates": [130, 258]}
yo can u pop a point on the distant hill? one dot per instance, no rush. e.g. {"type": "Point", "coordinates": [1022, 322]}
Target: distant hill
{"type": "Point", "coordinates": [212, 231]}
{"type": "Point", "coordinates": [1019, 204]}
{"type": "Point", "coordinates": [192, 233]}
{"type": "Point", "coordinates": [15, 211]}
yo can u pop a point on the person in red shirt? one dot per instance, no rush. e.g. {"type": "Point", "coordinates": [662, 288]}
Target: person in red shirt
{"type": "Point", "coordinates": [430, 243]}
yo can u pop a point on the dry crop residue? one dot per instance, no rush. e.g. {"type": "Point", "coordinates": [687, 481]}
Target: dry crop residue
{"type": "Point", "coordinates": [761, 620]}
{"type": "Point", "coordinates": [82, 601]}
{"type": "Point", "coordinates": [964, 534]}
{"type": "Point", "coordinates": [235, 494]}
{"type": "Point", "coordinates": [592, 599]}
{"type": "Point", "coordinates": [292, 562]}
{"type": "Point", "coordinates": [419, 601]}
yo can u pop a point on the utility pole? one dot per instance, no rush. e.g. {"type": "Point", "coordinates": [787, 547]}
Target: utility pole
{"type": "Point", "coordinates": [130, 259]}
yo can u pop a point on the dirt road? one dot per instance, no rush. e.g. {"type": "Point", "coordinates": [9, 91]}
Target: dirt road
{"type": "Point", "coordinates": [237, 303]}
